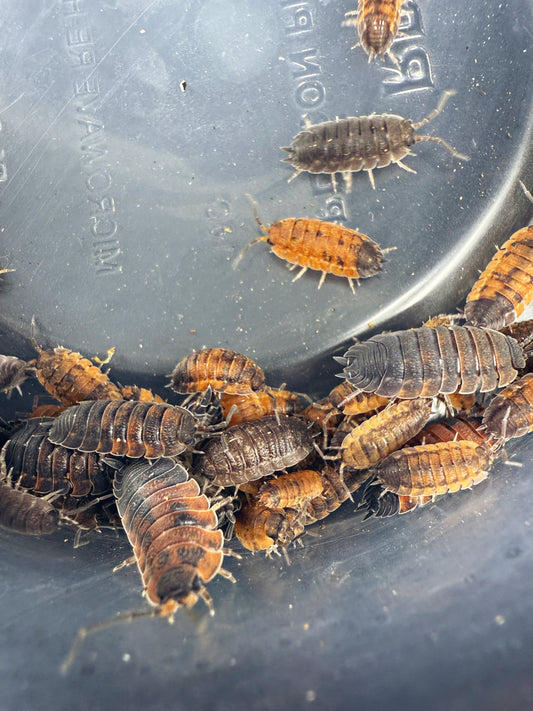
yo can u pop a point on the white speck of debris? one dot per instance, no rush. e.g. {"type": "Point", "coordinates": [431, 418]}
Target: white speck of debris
{"type": "Point", "coordinates": [310, 695]}
{"type": "Point", "coordinates": [499, 620]}
{"type": "Point", "coordinates": [126, 657]}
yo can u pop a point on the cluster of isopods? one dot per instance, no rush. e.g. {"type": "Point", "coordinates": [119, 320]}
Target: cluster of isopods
{"type": "Point", "coordinates": [419, 413]}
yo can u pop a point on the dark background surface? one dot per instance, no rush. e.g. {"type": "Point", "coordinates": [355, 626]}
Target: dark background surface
{"type": "Point", "coordinates": [122, 208]}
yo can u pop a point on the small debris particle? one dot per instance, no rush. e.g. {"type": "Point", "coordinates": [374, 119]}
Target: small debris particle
{"type": "Point", "coordinates": [499, 620]}
{"type": "Point", "coordinates": [310, 695]}
{"type": "Point", "coordinates": [183, 85]}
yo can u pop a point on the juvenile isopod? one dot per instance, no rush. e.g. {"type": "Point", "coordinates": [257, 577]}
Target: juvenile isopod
{"type": "Point", "coordinates": [434, 469]}
{"type": "Point", "coordinates": [221, 369]}
{"type": "Point", "coordinates": [24, 513]}
{"type": "Point", "coordinates": [377, 23]}
{"type": "Point", "coordinates": [423, 362]}
{"type": "Point", "coordinates": [13, 372]}
{"type": "Point", "coordinates": [323, 246]}
{"type": "Point", "coordinates": [254, 449]}
{"type": "Point", "coordinates": [361, 143]}
{"type": "Point", "coordinates": [126, 428]}
{"type": "Point", "coordinates": [172, 529]}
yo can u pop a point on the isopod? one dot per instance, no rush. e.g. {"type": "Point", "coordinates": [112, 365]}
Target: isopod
{"type": "Point", "coordinates": [291, 489]}
{"type": "Point", "coordinates": [352, 402]}
{"type": "Point", "coordinates": [260, 528]}
{"type": "Point", "coordinates": [13, 373]}
{"type": "Point", "coordinates": [256, 405]}
{"type": "Point", "coordinates": [71, 378]}
{"type": "Point", "coordinates": [224, 370]}
{"type": "Point", "coordinates": [357, 143]}
{"type": "Point", "coordinates": [377, 23]}
{"type": "Point", "coordinates": [126, 428]}
{"type": "Point", "coordinates": [510, 414]}
{"type": "Point", "coordinates": [323, 246]}
{"type": "Point", "coordinates": [24, 513]}
{"type": "Point", "coordinates": [434, 469]}
{"type": "Point", "coordinates": [390, 429]}
{"type": "Point", "coordinates": [505, 287]}
{"type": "Point", "coordinates": [172, 529]}
{"type": "Point", "coordinates": [254, 449]}
{"type": "Point", "coordinates": [30, 461]}
{"type": "Point", "coordinates": [423, 362]}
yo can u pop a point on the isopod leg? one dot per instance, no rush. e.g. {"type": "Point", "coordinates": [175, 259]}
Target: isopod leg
{"type": "Point", "coordinates": [347, 175]}
{"type": "Point", "coordinates": [405, 167]}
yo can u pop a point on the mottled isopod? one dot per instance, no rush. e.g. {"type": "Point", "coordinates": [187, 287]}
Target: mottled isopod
{"type": "Point", "coordinates": [423, 362]}
{"type": "Point", "coordinates": [360, 143]}
{"type": "Point", "coordinates": [254, 449]}
{"type": "Point", "coordinates": [223, 370]}
{"type": "Point", "coordinates": [126, 428]}
{"type": "Point", "coordinates": [263, 403]}
{"type": "Point", "coordinates": [505, 287]}
{"type": "Point", "coordinates": [434, 469]}
{"type": "Point", "coordinates": [510, 414]}
{"type": "Point", "coordinates": [171, 527]}
{"type": "Point", "coordinates": [323, 246]}
{"type": "Point", "coordinates": [377, 23]}
{"type": "Point", "coordinates": [390, 429]}
{"type": "Point", "coordinates": [71, 378]}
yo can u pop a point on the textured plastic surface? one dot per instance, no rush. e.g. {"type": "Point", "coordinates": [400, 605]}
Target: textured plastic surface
{"type": "Point", "coordinates": [131, 134]}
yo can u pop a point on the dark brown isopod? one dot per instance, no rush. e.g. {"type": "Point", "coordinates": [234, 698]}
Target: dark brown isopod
{"type": "Point", "coordinates": [222, 370]}
{"type": "Point", "coordinates": [13, 372]}
{"type": "Point", "coordinates": [254, 449]}
{"type": "Point", "coordinates": [423, 362]}
{"type": "Point", "coordinates": [382, 504]}
{"type": "Point", "coordinates": [126, 428]}
{"type": "Point", "coordinates": [30, 461]}
{"type": "Point", "coordinates": [434, 469]}
{"type": "Point", "coordinates": [171, 528]}
{"type": "Point", "coordinates": [357, 143]}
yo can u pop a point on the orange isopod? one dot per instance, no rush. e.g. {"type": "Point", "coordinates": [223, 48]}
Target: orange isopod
{"type": "Point", "coordinates": [377, 437]}
{"type": "Point", "coordinates": [291, 489]}
{"type": "Point", "coordinates": [255, 405]}
{"type": "Point", "coordinates": [221, 369]}
{"type": "Point", "coordinates": [377, 23]}
{"type": "Point", "coordinates": [433, 469]}
{"type": "Point", "coordinates": [324, 246]}
{"type": "Point", "coordinates": [505, 287]}
{"type": "Point", "coordinates": [71, 378]}
{"type": "Point", "coordinates": [510, 414]}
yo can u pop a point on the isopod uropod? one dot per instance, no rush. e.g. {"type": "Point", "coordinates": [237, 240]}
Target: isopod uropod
{"type": "Point", "coordinates": [357, 143]}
